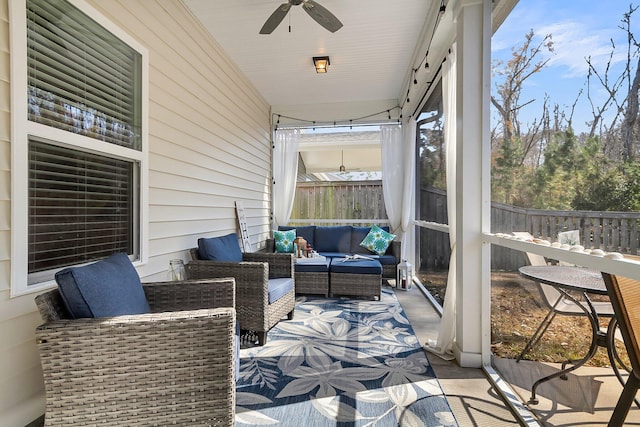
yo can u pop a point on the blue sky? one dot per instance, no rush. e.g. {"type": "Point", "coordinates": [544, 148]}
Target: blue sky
{"type": "Point", "coordinates": [579, 28]}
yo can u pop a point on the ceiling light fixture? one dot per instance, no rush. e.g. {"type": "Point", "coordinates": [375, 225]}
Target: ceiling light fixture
{"type": "Point", "coordinates": [321, 63]}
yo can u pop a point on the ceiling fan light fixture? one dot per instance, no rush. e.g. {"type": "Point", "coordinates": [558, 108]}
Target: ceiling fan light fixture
{"type": "Point", "coordinates": [321, 63]}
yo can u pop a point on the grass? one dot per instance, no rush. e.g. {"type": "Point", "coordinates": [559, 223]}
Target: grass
{"type": "Point", "coordinates": [516, 312]}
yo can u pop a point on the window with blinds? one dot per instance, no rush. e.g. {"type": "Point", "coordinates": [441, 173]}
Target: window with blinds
{"type": "Point", "coordinates": [80, 206]}
{"type": "Point", "coordinates": [83, 205]}
{"type": "Point", "coordinates": [81, 78]}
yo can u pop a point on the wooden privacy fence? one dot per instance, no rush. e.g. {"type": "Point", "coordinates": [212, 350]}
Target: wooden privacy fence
{"type": "Point", "coordinates": [362, 203]}
{"type": "Point", "coordinates": [339, 200]}
{"type": "Point", "coordinates": [609, 231]}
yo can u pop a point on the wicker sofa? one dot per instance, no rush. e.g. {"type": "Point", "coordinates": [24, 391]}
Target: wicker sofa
{"type": "Point", "coordinates": [175, 365]}
{"type": "Point", "coordinates": [343, 240]}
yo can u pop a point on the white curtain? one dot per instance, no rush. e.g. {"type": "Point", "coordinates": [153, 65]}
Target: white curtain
{"type": "Point", "coordinates": [398, 180]}
{"type": "Point", "coordinates": [285, 171]}
{"type": "Point", "coordinates": [392, 174]}
{"type": "Point", "coordinates": [409, 164]}
{"type": "Point", "coordinates": [447, 335]}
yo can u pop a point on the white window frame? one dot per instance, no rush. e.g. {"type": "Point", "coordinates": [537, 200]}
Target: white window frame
{"type": "Point", "coordinates": [23, 129]}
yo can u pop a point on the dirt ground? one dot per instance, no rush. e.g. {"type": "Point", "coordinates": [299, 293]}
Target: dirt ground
{"type": "Point", "coordinates": [516, 312]}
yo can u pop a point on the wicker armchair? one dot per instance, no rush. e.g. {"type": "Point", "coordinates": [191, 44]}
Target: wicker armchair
{"type": "Point", "coordinates": [252, 275]}
{"type": "Point", "coordinates": [175, 365]}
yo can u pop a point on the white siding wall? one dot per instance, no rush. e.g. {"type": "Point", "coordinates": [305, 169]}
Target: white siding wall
{"type": "Point", "coordinates": [209, 146]}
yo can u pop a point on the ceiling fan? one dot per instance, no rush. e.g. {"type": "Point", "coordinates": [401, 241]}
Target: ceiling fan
{"type": "Point", "coordinates": [319, 14]}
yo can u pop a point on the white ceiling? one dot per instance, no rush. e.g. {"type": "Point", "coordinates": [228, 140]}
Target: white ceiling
{"type": "Point", "coordinates": [372, 61]}
{"type": "Point", "coordinates": [370, 55]}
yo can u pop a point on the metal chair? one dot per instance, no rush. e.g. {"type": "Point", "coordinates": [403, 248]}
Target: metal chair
{"type": "Point", "coordinates": [556, 303]}
{"type": "Point", "coordinates": [625, 298]}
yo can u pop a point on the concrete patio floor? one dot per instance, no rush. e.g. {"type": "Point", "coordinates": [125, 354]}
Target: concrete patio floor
{"type": "Point", "coordinates": [586, 398]}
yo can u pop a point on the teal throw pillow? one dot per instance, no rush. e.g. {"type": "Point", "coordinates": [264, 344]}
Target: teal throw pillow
{"type": "Point", "coordinates": [377, 240]}
{"type": "Point", "coordinates": [284, 240]}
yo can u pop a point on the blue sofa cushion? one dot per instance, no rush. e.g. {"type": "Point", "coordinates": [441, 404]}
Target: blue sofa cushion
{"type": "Point", "coordinates": [377, 240]}
{"type": "Point", "coordinates": [223, 248]}
{"type": "Point", "coordinates": [333, 239]}
{"type": "Point", "coordinates": [360, 266]}
{"type": "Point", "coordinates": [110, 287]}
{"type": "Point", "coordinates": [284, 241]}
{"type": "Point", "coordinates": [279, 288]}
{"type": "Point", "coordinates": [307, 232]}
{"type": "Point", "coordinates": [385, 259]}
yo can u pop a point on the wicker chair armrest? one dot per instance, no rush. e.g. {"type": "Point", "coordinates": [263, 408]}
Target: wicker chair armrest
{"type": "Point", "coordinates": [280, 264]}
{"type": "Point", "coordinates": [190, 294]}
{"type": "Point", "coordinates": [251, 277]}
{"type": "Point", "coordinates": [140, 365]}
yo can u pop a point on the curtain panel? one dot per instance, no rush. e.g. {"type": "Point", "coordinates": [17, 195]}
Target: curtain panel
{"type": "Point", "coordinates": [285, 172]}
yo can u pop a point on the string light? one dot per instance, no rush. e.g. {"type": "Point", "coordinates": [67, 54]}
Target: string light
{"type": "Point", "coordinates": [441, 10]}
{"type": "Point", "coordinates": [337, 123]}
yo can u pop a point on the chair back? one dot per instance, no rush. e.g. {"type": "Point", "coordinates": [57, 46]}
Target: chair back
{"type": "Point", "coordinates": [51, 306]}
{"type": "Point", "coordinates": [624, 294]}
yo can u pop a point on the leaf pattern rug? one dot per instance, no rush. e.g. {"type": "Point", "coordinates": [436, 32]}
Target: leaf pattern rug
{"type": "Point", "coordinates": [341, 362]}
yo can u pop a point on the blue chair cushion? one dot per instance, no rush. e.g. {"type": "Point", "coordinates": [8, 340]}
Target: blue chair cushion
{"type": "Point", "coordinates": [223, 248]}
{"type": "Point", "coordinates": [307, 233]}
{"type": "Point", "coordinates": [279, 288]}
{"type": "Point", "coordinates": [110, 287]}
{"type": "Point", "coordinates": [359, 266]}
{"type": "Point", "coordinates": [333, 239]}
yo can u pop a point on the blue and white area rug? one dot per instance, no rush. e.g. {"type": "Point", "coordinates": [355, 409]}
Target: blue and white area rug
{"type": "Point", "coordinates": [341, 362]}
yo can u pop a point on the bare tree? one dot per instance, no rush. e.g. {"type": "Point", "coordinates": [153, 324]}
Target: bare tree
{"type": "Point", "coordinates": [524, 63]}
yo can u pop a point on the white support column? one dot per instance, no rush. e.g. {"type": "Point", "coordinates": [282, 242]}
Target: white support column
{"type": "Point", "coordinates": [472, 81]}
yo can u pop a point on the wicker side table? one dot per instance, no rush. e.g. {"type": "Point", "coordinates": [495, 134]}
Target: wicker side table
{"type": "Point", "coordinates": [357, 277]}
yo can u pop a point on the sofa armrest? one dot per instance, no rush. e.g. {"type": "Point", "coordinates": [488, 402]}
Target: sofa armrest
{"type": "Point", "coordinates": [139, 366]}
{"type": "Point", "coordinates": [190, 294]}
{"type": "Point", "coordinates": [396, 250]}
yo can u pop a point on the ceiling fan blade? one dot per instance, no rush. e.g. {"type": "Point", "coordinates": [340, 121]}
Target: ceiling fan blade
{"type": "Point", "coordinates": [275, 19]}
{"type": "Point", "coordinates": [322, 16]}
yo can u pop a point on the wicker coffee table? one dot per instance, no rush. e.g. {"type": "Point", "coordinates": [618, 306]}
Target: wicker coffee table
{"type": "Point", "coordinates": [355, 277]}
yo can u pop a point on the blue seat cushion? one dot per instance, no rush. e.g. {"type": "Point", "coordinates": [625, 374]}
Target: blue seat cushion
{"type": "Point", "coordinates": [384, 259]}
{"type": "Point", "coordinates": [308, 233]}
{"type": "Point", "coordinates": [110, 287]}
{"type": "Point", "coordinates": [223, 248]}
{"type": "Point", "coordinates": [279, 288]}
{"type": "Point", "coordinates": [321, 266]}
{"type": "Point", "coordinates": [333, 239]}
{"type": "Point", "coordinates": [359, 266]}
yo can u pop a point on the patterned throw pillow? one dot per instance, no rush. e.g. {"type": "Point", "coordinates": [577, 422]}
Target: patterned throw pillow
{"type": "Point", "coordinates": [284, 240]}
{"type": "Point", "coordinates": [377, 240]}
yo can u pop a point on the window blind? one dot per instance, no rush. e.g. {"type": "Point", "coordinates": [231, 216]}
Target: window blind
{"type": "Point", "coordinates": [80, 206]}
{"type": "Point", "coordinates": [81, 77]}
